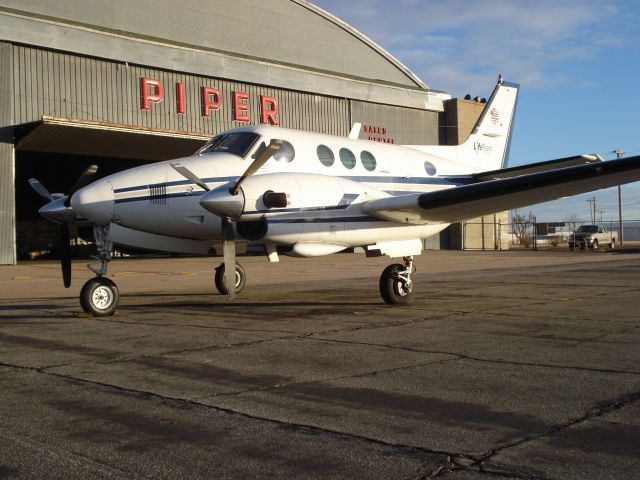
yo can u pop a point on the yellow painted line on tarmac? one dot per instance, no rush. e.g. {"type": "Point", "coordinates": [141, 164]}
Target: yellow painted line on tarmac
{"type": "Point", "coordinates": [185, 274]}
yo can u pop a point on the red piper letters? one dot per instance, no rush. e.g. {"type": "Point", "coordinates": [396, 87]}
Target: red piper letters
{"type": "Point", "coordinates": [146, 87]}
{"type": "Point", "coordinates": [211, 99]}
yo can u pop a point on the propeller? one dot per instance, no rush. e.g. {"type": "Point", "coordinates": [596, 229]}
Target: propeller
{"type": "Point", "coordinates": [228, 203]}
{"type": "Point", "coordinates": [83, 180]}
{"type": "Point", "coordinates": [41, 189]}
{"type": "Point", "coordinates": [58, 210]}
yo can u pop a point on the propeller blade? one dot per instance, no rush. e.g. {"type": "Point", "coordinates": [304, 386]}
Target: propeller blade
{"type": "Point", "coordinates": [189, 175]}
{"type": "Point", "coordinates": [83, 180]}
{"type": "Point", "coordinates": [229, 252]}
{"type": "Point", "coordinates": [264, 155]}
{"type": "Point", "coordinates": [65, 254]}
{"type": "Point", "coordinates": [41, 189]}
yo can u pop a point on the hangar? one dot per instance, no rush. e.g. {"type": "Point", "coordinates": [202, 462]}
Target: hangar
{"type": "Point", "coordinates": [124, 83]}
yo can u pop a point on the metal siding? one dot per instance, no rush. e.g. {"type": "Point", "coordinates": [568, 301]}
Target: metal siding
{"type": "Point", "coordinates": [7, 172]}
{"type": "Point", "coordinates": [405, 126]}
{"type": "Point", "coordinates": [68, 86]}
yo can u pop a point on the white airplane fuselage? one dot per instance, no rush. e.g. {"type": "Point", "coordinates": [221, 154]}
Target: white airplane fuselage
{"type": "Point", "coordinates": [324, 200]}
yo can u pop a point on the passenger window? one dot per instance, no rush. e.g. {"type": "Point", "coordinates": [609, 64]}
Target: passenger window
{"type": "Point", "coordinates": [368, 161]}
{"type": "Point", "coordinates": [286, 153]}
{"type": "Point", "coordinates": [347, 158]}
{"type": "Point", "coordinates": [430, 168]}
{"type": "Point", "coordinates": [325, 155]}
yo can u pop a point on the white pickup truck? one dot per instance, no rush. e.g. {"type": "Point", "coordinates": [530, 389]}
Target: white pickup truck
{"type": "Point", "coordinates": [592, 236]}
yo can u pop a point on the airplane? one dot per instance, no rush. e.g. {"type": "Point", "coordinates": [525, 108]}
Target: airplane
{"type": "Point", "coordinates": [308, 194]}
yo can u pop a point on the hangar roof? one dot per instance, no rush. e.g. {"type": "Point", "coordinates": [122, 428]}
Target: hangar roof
{"type": "Point", "coordinates": [292, 33]}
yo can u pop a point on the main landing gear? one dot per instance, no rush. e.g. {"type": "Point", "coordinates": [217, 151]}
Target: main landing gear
{"type": "Point", "coordinates": [221, 283]}
{"type": "Point", "coordinates": [396, 286]}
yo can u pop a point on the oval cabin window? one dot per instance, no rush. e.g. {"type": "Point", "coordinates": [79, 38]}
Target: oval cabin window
{"type": "Point", "coordinates": [325, 155]}
{"type": "Point", "coordinates": [286, 153]}
{"type": "Point", "coordinates": [430, 168]}
{"type": "Point", "coordinates": [347, 158]}
{"type": "Point", "coordinates": [368, 161]}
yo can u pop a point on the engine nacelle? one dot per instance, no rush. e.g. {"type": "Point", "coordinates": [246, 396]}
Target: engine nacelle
{"type": "Point", "coordinates": [315, 209]}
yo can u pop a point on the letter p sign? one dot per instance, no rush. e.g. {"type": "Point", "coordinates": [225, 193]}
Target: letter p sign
{"type": "Point", "coordinates": [151, 90]}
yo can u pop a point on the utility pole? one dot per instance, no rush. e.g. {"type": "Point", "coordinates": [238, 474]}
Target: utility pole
{"type": "Point", "coordinates": [592, 209]}
{"type": "Point", "coordinates": [619, 154]}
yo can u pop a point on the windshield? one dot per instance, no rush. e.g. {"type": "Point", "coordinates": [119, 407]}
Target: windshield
{"type": "Point", "coordinates": [588, 229]}
{"type": "Point", "coordinates": [235, 143]}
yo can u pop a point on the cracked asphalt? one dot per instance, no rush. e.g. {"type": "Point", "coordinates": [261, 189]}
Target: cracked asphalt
{"type": "Point", "coordinates": [519, 365]}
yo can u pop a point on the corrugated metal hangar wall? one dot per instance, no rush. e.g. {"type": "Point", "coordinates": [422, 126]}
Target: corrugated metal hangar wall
{"type": "Point", "coordinates": [112, 98]}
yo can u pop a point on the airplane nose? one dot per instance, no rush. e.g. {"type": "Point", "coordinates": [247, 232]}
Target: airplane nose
{"type": "Point", "coordinates": [95, 202]}
{"type": "Point", "coordinates": [57, 211]}
{"type": "Point", "coordinates": [220, 201]}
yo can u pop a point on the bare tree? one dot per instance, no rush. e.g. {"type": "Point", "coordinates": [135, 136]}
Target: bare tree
{"type": "Point", "coordinates": [574, 221]}
{"type": "Point", "coordinates": [522, 227]}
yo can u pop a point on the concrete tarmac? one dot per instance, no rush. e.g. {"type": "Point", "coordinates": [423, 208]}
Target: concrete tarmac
{"type": "Point", "coordinates": [505, 365]}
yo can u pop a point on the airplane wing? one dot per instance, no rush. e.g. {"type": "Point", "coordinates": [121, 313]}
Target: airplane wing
{"type": "Point", "coordinates": [537, 167]}
{"type": "Point", "coordinates": [483, 198]}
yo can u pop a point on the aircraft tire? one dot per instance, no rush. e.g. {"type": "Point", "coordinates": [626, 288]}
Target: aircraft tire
{"type": "Point", "coordinates": [221, 284]}
{"type": "Point", "coordinates": [392, 290]}
{"type": "Point", "coordinates": [99, 297]}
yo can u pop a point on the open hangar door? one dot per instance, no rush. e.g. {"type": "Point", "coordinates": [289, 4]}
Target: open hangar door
{"type": "Point", "coordinates": [56, 152]}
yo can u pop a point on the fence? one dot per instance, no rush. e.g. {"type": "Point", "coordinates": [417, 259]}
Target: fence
{"type": "Point", "coordinates": [489, 233]}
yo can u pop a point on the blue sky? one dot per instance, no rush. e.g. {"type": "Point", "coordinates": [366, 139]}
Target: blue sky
{"type": "Point", "coordinates": [578, 63]}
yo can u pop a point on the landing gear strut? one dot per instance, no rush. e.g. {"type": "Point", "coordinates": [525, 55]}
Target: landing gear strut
{"type": "Point", "coordinates": [221, 284]}
{"type": "Point", "coordinates": [396, 286]}
{"type": "Point", "coordinates": [99, 296]}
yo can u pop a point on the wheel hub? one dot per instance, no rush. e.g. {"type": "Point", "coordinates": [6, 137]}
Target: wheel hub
{"type": "Point", "coordinates": [102, 298]}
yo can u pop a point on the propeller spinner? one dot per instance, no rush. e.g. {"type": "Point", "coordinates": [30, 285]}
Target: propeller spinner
{"type": "Point", "coordinates": [58, 210]}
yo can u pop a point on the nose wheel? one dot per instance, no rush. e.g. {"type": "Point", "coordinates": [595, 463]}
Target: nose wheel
{"type": "Point", "coordinates": [99, 297]}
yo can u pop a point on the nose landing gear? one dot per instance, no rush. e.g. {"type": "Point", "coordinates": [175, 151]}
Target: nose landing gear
{"type": "Point", "coordinates": [396, 287]}
{"type": "Point", "coordinates": [99, 295]}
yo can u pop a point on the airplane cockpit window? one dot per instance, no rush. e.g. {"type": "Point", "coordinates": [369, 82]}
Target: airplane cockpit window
{"type": "Point", "coordinates": [236, 143]}
{"type": "Point", "coordinates": [325, 155]}
{"type": "Point", "coordinates": [286, 153]}
{"type": "Point", "coordinates": [347, 158]}
{"type": "Point", "coordinates": [368, 160]}
{"type": "Point", "coordinates": [214, 141]}
{"type": "Point", "coordinates": [430, 168]}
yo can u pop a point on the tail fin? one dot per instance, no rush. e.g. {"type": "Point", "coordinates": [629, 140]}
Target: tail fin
{"type": "Point", "coordinates": [487, 147]}
{"type": "Point", "coordinates": [488, 144]}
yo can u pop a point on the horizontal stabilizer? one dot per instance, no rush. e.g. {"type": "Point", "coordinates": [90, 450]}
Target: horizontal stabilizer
{"type": "Point", "coordinates": [470, 201]}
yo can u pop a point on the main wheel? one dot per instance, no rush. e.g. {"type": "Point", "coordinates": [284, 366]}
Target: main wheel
{"type": "Point", "coordinates": [595, 245]}
{"type": "Point", "coordinates": [99, 297]}
{"type": "Point", "coordinates": [221, 284]}
{"type": "Point", "coordinates": [393, 289]}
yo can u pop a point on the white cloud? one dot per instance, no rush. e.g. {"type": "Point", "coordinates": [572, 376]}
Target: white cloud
{"type": "Point", "coordinates": [459, 45]}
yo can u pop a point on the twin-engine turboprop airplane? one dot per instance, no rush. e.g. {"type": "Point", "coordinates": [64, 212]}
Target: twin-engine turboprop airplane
{"type": "Point", "coordinates": [309, 194]}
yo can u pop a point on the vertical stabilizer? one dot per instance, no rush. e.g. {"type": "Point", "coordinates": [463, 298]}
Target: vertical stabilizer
{"type": "Point", "coordinates": [487, 147]}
